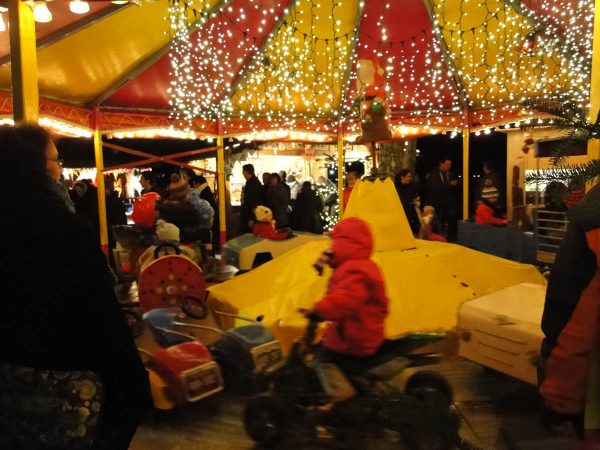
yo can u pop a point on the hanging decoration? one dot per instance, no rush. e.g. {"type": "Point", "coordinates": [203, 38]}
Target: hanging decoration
{"type": "Point", "coordinates": [371, 105]}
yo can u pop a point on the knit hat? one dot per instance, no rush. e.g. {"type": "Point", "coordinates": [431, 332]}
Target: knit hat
{"type": "Point", "coordinates": [178, 189]}
{"type": "Point", "coordinates": [489, 193]}
{"type": "Point", "coordinates": [166, 231]}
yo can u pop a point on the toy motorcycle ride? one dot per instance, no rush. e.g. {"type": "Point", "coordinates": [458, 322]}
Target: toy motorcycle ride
{"type": "Point", "coordinates": [245, 354]}
{"type": "Point", "coordinates": [422, 415]}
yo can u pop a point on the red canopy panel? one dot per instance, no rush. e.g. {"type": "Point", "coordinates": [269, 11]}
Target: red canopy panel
{"type": "Point", "coordinates": [231, 41]}
{"type": "Point", "coordinates": [416, 76]}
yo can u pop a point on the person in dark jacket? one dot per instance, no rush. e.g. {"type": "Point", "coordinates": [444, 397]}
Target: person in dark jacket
{"type": "Point", "coordinates": [180, 211]}
{"type": "Point", "coordinates": [277, 201]}
{"type": "Point", "coordinates": [200, 185]}
{"type": "Point", "coordinates": [440, 184]}
{"type": "Point", "coordinates": [307, 210]}
{"type": "Point", "coordinates": [252, 196]}
{"type": "Point", "coordinates": [409, 197]}
{"type": "Point", "coordinates": [570, 320]}
{"type": "Point", "coordinates": [150, 184]}
{"type": "Point", "coordinates": [58, 309]}
{"type": "Point", "coordinates": [491, 179]}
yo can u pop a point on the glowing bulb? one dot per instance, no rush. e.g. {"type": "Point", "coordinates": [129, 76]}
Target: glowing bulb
{"type": "Point", "coordinates": [41, 13]}
{"type": "Point", "coordinates": [79, 7]}
{"type": "Point", "coordinates": [2, 25]}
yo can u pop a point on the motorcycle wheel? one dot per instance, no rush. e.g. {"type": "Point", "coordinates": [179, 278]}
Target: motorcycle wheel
{"type": "Point", "coordinates": [267, 420]}
{"type": "Point", "coordinates": [194, 307]}
{"type": "Point", "coordinates": [427, 385]}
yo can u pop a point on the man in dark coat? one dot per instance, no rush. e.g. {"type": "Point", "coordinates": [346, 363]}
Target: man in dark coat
{"type": "Point", "coordinates": [59, 310]}
{"type": "Point", "coordinates": [307, 210]}
{"type": "Point", "coordinates": [149, 184]}
{"type": "Point", "coordinates": [440, 184]}
{"type": "Point", "coordinates": [409, 197]}
{"type": "Point", "coordinates": [252, 196]}
{"type": "Point", "coordinates": [277, 201]}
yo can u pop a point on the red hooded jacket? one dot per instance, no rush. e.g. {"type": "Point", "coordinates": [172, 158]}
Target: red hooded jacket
{"type": "Point", "coordinates": [355, 303]}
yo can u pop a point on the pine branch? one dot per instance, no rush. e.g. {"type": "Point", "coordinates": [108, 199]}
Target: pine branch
{"type": "Point", "coordinates": [575, 176]}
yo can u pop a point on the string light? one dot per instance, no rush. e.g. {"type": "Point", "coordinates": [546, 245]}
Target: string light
{"type": "Point", "coordinates": [499, 53]}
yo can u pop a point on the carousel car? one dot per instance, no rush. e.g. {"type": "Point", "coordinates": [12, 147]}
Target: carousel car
{"type": "Point", "coordinates": [247, 251]}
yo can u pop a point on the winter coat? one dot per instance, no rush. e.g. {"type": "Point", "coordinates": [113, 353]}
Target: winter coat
{"type": "Point", "coordinates": [252, 196]}
{"type": "Point", "coordinates": [346, 195]}
{"type": "Point", "coordinates": [183, 214]}
{"type": "Point", "coordinates": [307, 211]}
{"type": "Point", "coordinates": [439, 189]}
{"type": "Point", "coordinates": [355, 303]}
{"type": "Point", "coordinates": [485, 215]}
{"type": "Point", "coordinates": [59, 310]}
{"type": "Point", "coordinates": [408, 195]}
{"type": "Point", "coordinates": [277, 201]}
{"type": "Point", "coordinates": [571, 310]}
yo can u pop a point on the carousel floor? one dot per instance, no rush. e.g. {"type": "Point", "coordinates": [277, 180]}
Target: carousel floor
{"type": "Point", "coordinates": [498, 412]}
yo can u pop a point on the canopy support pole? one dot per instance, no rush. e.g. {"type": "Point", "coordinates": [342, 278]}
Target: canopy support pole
{"type": "Point", "coordinates": [26, 102]}
{"type": "Point", "coordinates": [100, 180]}
{"type": "Point", "coordinates": [221, 188]}
{"type": "Point", "coordinates": [593, 148]}
{"type": "Point", "coordinates": [466, 173]}
{"type": "Point", "coordinates": [340, 164]}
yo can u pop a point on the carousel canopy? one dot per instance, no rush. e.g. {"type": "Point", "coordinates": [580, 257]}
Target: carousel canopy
{"type": "Point", "coordinates": [265, 66]}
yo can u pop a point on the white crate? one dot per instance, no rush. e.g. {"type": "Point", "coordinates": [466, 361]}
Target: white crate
{"type": "Point", "coordinates": [502, 330]}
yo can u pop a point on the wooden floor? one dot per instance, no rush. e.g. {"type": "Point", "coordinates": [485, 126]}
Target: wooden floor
{"type": "Point", "coordinates": [498, 413]}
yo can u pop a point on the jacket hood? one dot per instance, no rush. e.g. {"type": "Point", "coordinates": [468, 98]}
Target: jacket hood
{"type": "Point", "coordinates": [587, 212]}
{"type": "Point", "coordinates": [352, 239]}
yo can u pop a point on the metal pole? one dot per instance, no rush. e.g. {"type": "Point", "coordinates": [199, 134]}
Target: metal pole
{"type": "Point", "coordinates": [100, 180]}
{"type": "Point", "coordinates": [221, 187]}
{"type": "Point", "coordinates": [466, 173]}
{"type": "Point", "coordinates": [340, 163]}
{"type": "Point", "coordinates": [593, 149]}
{"type": "Point", "coordinates": [23, 57]}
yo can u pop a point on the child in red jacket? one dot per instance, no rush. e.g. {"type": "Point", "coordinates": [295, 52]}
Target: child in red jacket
{"type": "Point", "coordinates": [355, 305]}
{"type": "Point", "coordinates": [486, 209]}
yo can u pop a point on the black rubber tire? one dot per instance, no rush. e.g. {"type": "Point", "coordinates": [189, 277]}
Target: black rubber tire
{"type": "Point", "coordinates": [267, 420]}
{"type": "Point", "coordinates": [426, 384]}
{"type": "Point", "coordinates": [194, 307]}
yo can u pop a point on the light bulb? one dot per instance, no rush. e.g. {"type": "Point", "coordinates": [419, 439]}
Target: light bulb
{"type": "Point", "coordinates": [2, 24]}
{"type": "Point", "coordinates": [120, 2]}
{"type": "Point", "coordinates": [79, 7]}
{"type": "Point", "coordinates": [41, 13]}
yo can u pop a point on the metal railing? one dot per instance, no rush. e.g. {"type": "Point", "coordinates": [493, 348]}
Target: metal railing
{"type": "Point", "coordinates": [549, 229]}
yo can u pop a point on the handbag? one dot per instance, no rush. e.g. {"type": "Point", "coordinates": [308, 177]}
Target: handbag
{"type": "Point", "coordinates": [48, 408]}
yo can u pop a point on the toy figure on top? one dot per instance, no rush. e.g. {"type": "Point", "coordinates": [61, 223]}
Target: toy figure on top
{"type": "Point", "coordinates": [371, 104]}
{"type": "Point", "coordinates": [266, 227]}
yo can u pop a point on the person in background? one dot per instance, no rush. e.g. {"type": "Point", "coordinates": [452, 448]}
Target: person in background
{"type": "Point", "coordinates": [487, 212]}
{"type": "Point", "coordinates": [351, 178]}
{"type": "Point", "coordinates": [491, 178]}
{"type": "Point", "coordinates": [409, 197]}
{"type": "Point", "coordinates": [116, 212]}
{"type": "Point", "coordinates": [265, 182]}
{"type": "Point", "coordinates": [149, 184]}
{"type": "Point", "coordinates": [307, 210]}
{"type": "Point", "coordinates": [179, 210]}
{"type": "Point", "coordinates": [440, 184]}
{"type": "Point", "coordinates": [200, 185]}
{"type": "Point", "coordinates": [277, 201]}
{"type": "Point", "coordinates": [54, 167]}
{"type": "Point", "coordinates": [59, 310]}
{"type": "Point", "coordinates": [252, 196]}
{"type": "Point", "coordinates": [288, 190]}
{"type": "Point", "coordinates": [295, 187]}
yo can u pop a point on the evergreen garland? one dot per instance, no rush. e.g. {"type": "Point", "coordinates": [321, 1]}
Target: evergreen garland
{"type": "Point", "coordinates": [571, 117]}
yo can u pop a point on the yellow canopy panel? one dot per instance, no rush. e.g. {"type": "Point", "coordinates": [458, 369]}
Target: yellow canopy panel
{"type": "Point", "coordinates": [425, 285]}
